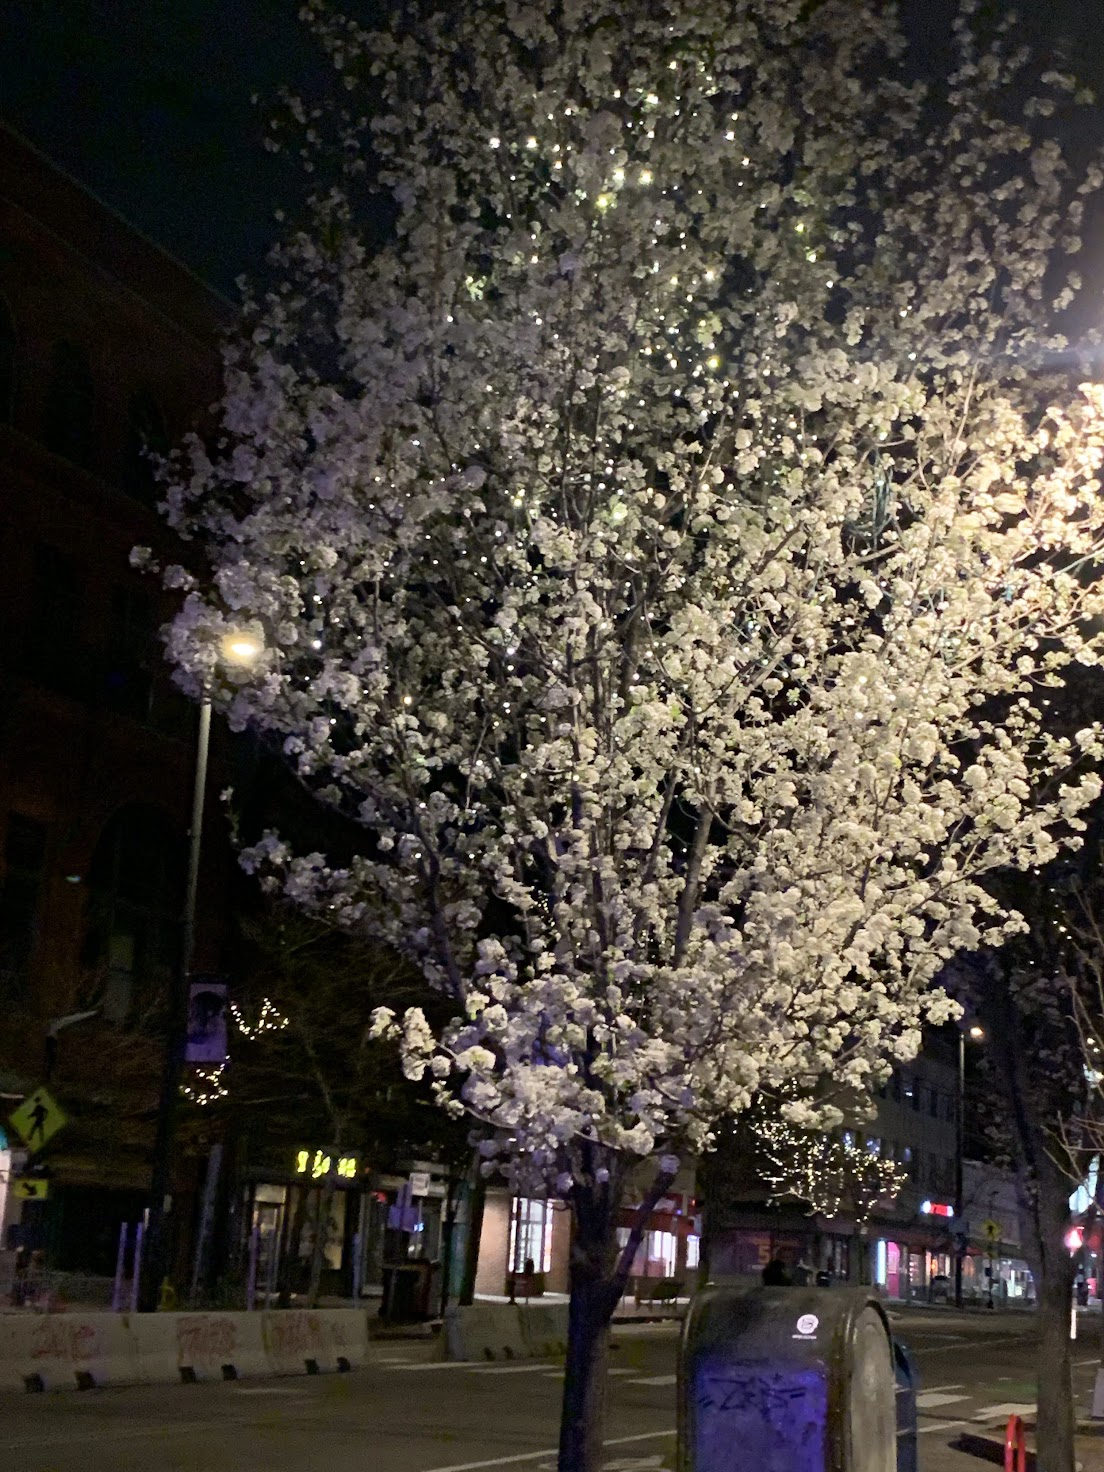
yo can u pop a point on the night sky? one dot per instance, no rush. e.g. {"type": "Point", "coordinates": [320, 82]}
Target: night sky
{"type": "Point", "coordinates": [147, 102]}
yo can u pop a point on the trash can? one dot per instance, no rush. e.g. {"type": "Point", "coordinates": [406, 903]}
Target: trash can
{"type": "Point", "coordinates": [787, 1380]}
{"type": "Point", "coordinates": [908, 1455]}
{"type": "Point", "coordinates": [406, 1291]}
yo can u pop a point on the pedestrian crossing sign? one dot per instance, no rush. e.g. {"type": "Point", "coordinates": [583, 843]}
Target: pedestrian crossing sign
{"type": "Point", "coordinates": [30, 1188]}
{"type": "Point", "coordinates": [992, 1231]}
{"type": "Point", "coordinates": [38, 1119]}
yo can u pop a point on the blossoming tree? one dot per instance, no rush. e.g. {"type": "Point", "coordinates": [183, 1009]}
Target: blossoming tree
{"type": "Point", "coordinates": [659, 547]}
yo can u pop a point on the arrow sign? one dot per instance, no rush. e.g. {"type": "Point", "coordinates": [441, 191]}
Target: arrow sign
{"type": "Point", "coordinates": [31, 1189]}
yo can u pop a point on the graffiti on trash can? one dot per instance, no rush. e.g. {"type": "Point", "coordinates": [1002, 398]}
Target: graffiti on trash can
{"type": "Point", "coordinates": [205, 1337]}
{"type": "Point", "coordinates": [777, 1417]}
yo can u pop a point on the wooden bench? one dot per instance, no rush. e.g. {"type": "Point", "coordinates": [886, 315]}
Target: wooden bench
{"type": "Point", "coordinates": [657, 1290]}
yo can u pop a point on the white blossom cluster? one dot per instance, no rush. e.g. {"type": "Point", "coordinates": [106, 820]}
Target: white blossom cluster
{"type": "Point", "coordinates": [664, 545]}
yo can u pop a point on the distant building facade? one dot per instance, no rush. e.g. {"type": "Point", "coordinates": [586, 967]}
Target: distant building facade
{"type": "Point", "coordinates": [907, 1247]}
{"type": "Point", "coordinates": [107, 351]}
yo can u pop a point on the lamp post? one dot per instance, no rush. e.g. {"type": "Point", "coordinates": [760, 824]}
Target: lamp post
{"type": "Point", "coordinates": [240, 650]}
{"type": "Point", "coordinates": [977, 1034]}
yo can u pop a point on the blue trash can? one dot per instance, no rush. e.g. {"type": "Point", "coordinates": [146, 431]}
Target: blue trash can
{"type": "Point", "coordinates": [787, 1380]}
{"type": "Point", "coordinates": [908, 1456]}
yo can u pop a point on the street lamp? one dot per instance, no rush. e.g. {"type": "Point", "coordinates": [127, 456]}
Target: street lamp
{"type": "Point", "coordinates": [239, 649]}
{"type": "Point", "coordinates": [976, 1034]}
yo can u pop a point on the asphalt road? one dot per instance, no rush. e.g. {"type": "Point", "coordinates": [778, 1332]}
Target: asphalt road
{"type": "Point", "coordinates": [407, 1414]}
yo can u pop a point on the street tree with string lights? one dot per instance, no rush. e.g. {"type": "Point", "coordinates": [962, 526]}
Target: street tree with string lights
{"type": "Point", "coordinates": [660, 544]}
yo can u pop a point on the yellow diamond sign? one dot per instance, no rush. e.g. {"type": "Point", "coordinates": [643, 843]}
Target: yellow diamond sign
{"type": "Point", "coordinates": [30, 1188]}
{"type": "Point", "coordinates": [38, 1119]}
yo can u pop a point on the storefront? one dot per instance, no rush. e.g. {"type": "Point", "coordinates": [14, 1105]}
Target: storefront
{"type": "Point", "coordinates": [523, 1238]}
{"type": "Point", "coordinates": [671, 1246]}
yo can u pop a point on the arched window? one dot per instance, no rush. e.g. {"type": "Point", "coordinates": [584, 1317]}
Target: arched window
{"type": "Point", "coordinates": [7, 364]}
{"type": "Point", "coordinates": [146, 436]}
{"type": "Point", "coordinates": [67, 418]}
{"type": "Point", "coordinates": [136, 884]}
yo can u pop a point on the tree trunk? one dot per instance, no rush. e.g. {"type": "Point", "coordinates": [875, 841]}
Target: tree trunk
{"type": "Point", "coordinates": [448, 1236]}
{"type": "Point", "coordinates": [289, 1260]}
{"type": "Point", "coordinates": [597, 1279]}
{"type": "Point", "coordinates": [1055, 1289]}
{"type": "Point", "coordinates": [583, 1421]}
{"type": "Point", "coordinates": [321, 1237]}
{"type": "Point", "coordinates": [477, 1197]}
{"type": "Point", "coordinates": [595, 1290]}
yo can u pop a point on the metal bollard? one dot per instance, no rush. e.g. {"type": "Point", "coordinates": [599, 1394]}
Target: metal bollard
{"type": "Point", "coordinates": [1015, 1446]}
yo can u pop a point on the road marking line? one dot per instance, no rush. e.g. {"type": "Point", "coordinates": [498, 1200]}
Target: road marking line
{"type": "Point", "coordinates": [534, 1368]}
{"type": "Point", "coordinates": [939, 1426]}
{"type": "Point", "coordinates": [1001, 1413]}
{"type": "Point", "coordinates": [532, 1456]}
{"type": "Point", "coordinates": [939, 1389]}
{"type": "Point", "coordinates": [931, 1400]}
{"type": "Point", "coordinates": [654, 1380]}
{"type": "Point", "coordinates": [452, 1365]}
{"type": "Point", "coordinates": [982, 1344]}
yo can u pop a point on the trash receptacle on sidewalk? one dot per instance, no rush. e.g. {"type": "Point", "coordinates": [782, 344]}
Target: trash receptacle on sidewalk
{"type": "Point", "coordinates": [787, 1380]}
{"type": "Point", "coordinates": [406, 1291]}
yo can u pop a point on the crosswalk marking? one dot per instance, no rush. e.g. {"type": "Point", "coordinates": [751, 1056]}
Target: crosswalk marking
{"type": "Point", "coordinates": [931, 1400]}
{"type": "Point", "coordinates": [654, 1380]}
{"type": "Point", "coordinates": [938, 1426]}
{"type": "Point", "coordinates": [1001, 1413]}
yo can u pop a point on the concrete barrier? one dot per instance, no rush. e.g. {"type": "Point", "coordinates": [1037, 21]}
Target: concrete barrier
{"type": "Point", "coordinates": [188, 1347]}
{"type": "Point", "coordinates": [544, 1329]}
{"type": "Point", "coordinates": [82, 1351]}
{"type": "Point", "coordinates": [67, 1351]}
{"type": "Point", "coordinates": [506, 1331]}
{"type": "Point", "coordinates": [315, 1341]}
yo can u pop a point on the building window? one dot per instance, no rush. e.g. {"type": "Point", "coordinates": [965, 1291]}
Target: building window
{"type": "Point", "coordinates": [693, 1250]}
{"type": "Point", "coordinates": [146, 437]}
{"type": "Point", "coordinates": [7, 364]}
{"type": "Point", "coordinates": [136, 885]}
{"type": "Point", "coordinates": [132, 652]}
{"type": "Point", "coordinates": [54, 655]}
{"type": "Point", "coordinates": [662, 1247]}
{"type": "Point", "coordinates": [531, 1235]}
{"type": "Point", "coordinates": [20, 893]}
{"type": "Point", "coordinates": [67, 419]}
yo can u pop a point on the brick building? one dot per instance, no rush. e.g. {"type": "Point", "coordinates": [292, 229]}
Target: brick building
{"type": "Point", "coordinates": [107, 347]}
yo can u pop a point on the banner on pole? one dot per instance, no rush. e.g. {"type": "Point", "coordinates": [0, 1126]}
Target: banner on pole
{"type": "Point", "coordinates": [207, 1006]}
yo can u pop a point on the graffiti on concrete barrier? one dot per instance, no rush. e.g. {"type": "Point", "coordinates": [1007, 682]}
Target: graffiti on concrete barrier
{"type": "Point", "coordinates": [297, 1335]}
{"type": "Point", "coordinates": [64, 1339]}
{"type": "Point", "coordinates": [205, 1337]}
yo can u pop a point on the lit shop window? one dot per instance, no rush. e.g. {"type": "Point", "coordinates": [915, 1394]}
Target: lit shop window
{"type": "Point", "coordinates": [530, 1235]}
